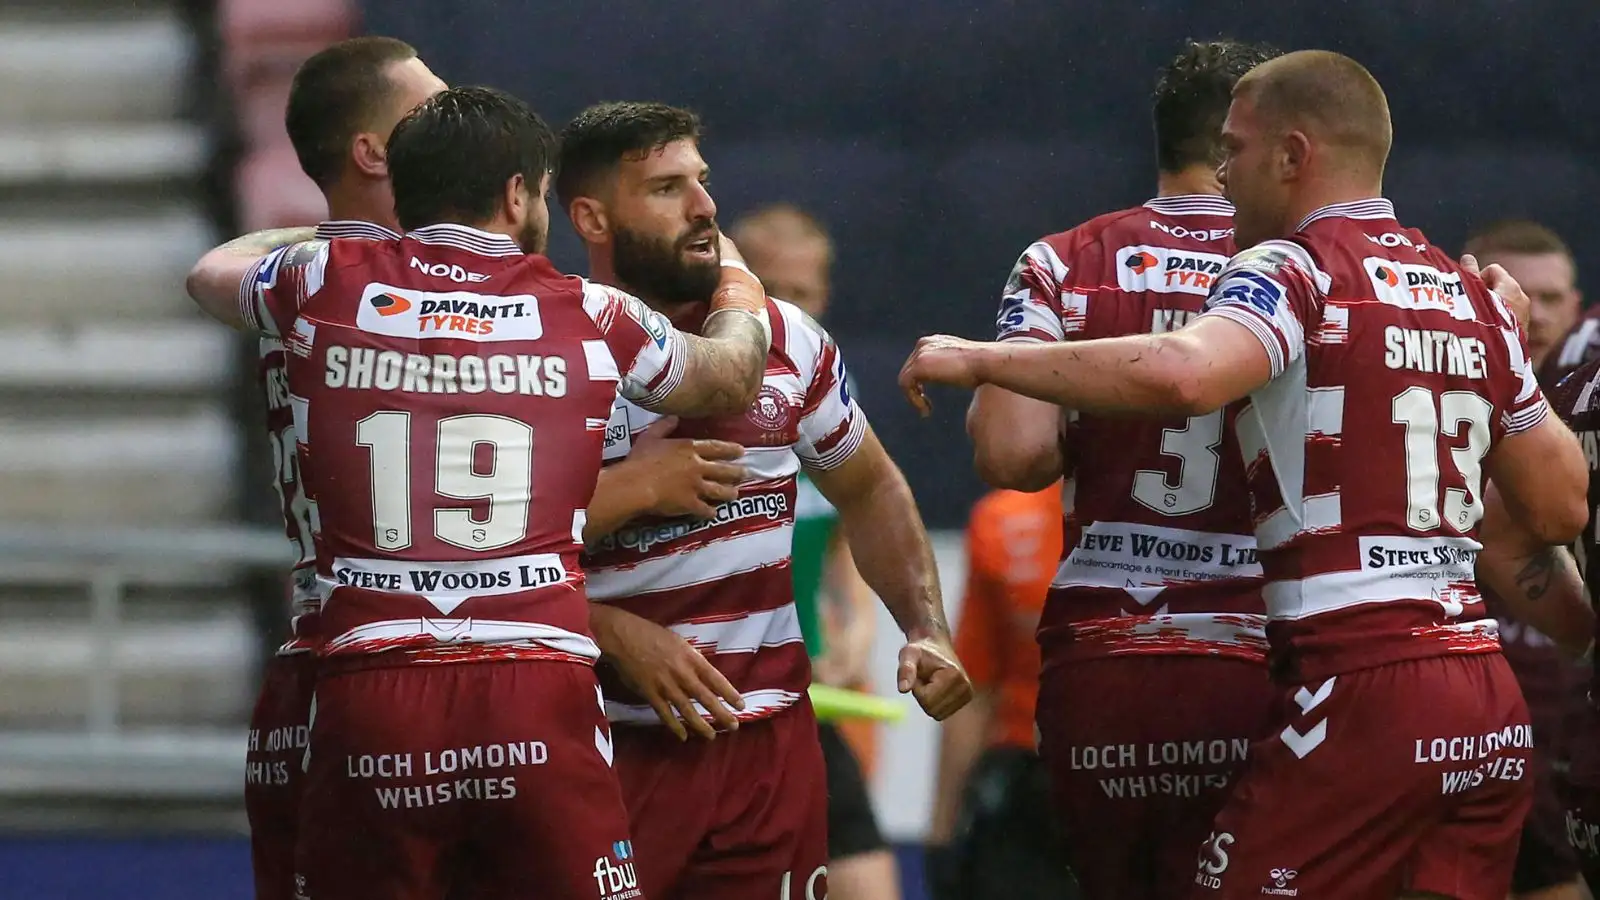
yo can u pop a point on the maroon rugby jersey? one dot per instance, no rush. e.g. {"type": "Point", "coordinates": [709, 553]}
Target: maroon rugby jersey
{"type": "Point", "coordinates": [450, 394]}
{"type": "Point", "coordinates": [1375, 335]}
{"type": "Point", "coordinates": [1576, 398]}
{"type": "Point", "coordinates": [1158, 556]}
{"type": "Point", "coordinates": [274, 380]}
{"type": "Point", "coordinates": [724, 584]}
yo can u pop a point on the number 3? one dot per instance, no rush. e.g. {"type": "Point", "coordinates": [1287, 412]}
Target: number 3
{"type": "Point", "coordinates": [1195, 445]}
{"type": "Point", "coordinates": [507, 485]}
{"type": "Point", "coordinates": [1414, 408]}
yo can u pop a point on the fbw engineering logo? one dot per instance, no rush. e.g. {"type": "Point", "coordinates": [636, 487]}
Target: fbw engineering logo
{"type": "Point", "coordinates": [619, 881]}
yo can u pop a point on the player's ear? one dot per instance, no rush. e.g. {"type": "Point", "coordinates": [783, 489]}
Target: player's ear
{"type": "Point", "coordinates": [516, 198]}
{"type": "Point", "coordinates": [589, 220]}
{"type": "Point", "coordinates": [1294, 153]}
{"type": "Point", "coordinates": [368, 153]}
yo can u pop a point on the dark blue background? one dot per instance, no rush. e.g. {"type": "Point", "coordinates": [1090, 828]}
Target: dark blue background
{"type": "Point", "coordinates": [939, 139]}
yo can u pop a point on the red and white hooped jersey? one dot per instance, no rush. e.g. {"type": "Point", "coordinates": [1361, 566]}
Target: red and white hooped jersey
{"type": "Point", "coordinates": [273, 375]}
{"type": "Point", "coordinates": [1394, 374]}
{"type": "Point", "coordinates": [450, 395]}
{"type": "Point", "coordinates": [1157, 555]}
{"type": "Point", "coordinates": [724, 584]}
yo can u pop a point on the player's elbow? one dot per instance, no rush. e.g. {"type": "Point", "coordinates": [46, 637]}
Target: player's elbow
{"type": "Point", "coordinates": [1009, 467]}
{"type": "Point", "coordinates": [1561, 518]}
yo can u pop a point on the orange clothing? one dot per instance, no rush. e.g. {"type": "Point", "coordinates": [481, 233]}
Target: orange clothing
{"type": "Point", "coordinates": [1013, 548]}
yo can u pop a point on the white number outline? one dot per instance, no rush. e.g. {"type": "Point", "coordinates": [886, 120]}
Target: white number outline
{"type": "Point", "coordinates": [1196, 445]}
{"type": "Point", "coordinates": [1424, 422]}
{"type": "Point", "coordinates": [386, 435]}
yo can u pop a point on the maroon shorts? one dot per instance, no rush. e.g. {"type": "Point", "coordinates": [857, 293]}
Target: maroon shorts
{"type": "Point", "coordinates": [487, 780]}
{"type": "Point", "coordinates": [273, 775]}
{"type": "Point", "coordinates": [1414, 776]}
{"type": "Point", "coordinates": [1141, 751]}
{"type": "Point", "coordinates": [743, 816]}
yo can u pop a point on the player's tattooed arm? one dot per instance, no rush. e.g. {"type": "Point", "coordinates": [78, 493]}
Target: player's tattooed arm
{"type": "Point", "coordinates": [723, 367]}
{"type": "Point", "coordinates": [880, 519]}
{"type": "Point", "coordinates": [1538, 583]}
{"type": "Point", "coordinates": [214, 282]}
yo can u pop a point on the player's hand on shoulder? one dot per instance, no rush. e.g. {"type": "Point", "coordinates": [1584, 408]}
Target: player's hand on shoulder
{"type": "Point", "coordinates": [1497, 279]}
{"type": "Point", "coordinates": [686, 477]}
{"type": "Point", "coordinates": [940, 359]}
{"type": "Point", "coordinates": [669, 673]}
{"type": "Point", "coordinates": [931, 672]}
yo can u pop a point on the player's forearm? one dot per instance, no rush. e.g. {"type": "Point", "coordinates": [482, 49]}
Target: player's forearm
{"type": "Point", "coordinates": [1540, 586]}
{"type": "Point", "coordinates": [1146, 374]}
{"type": "Point", "coordinates": [619, 495]}
{"type": "Point", "coordinates": [724, 367]}
{"type": "Point", "coordinates": [1016, 440]}
{"type": "Point", "coordinates": [887, 538]}
{"type": "Point", "coordinates": [961, 741]}
{"type": "Point", "coordinates": [214, 281]}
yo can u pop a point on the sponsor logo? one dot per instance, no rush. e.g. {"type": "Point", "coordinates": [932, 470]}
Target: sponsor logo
{"type": "Point", "coordinates": [1243, 287]}
{"type": "Point", "coordinates": [1452, 557]}
{"type": "Point", "coordinates": [1280, 883]}
{"type": "Point", "coordinates": [772, 505]}
{"type": "Point", "coordinates": [412, 314]}
{"type": "Point", "coordinates": [614, 875]}
{"type": "Point", "coordinates": [1141, 263]}
{"type": "Point", "coordinates": [1213, 860]}
{"type": "Point", "coordinates": [770, 410]}
{"type": "Point", "coordinates": [1192, 234]}
{"type": "Point", "coordinates": [815, 887]}
{"type": "Point", "coordinates": [363, 368]}
{"type": "Point", "coordinates": [657, 326]}
{"type": "Point", "coordinates": [1164, 271]}
{"type": "Point", "coordinates": [390, 304]}
{"type": "Point", "coordinates": [1411, 286]}
{"type": "Point", "coordinates": [1583, 836]}
{"type": "Point", "coordinates": [451, 579]}
{"type": "Point", "coordinates": [447, 270]}
{"type": "Point", "coordinates": [1392, 239]}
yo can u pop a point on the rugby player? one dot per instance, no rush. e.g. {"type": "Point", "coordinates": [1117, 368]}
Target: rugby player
{"type": "Point", "coordinates": [1383, 383]}
{"type": "Point", "coordinates": [743, 815]}
{"type": "Point", "coordinates": [1157, 600]}
{"type": "Point", "coordinates": [343, 104]}
{"type": "Point", "coordinates": [450, 391]}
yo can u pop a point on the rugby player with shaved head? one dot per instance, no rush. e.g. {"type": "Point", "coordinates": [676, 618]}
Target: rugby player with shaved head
{"type": "Point", "coordinates": [1381, 383]}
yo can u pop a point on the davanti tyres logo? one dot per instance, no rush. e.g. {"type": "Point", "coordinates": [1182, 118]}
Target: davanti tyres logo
{"type": "Point", "coordinates": [390, 304]}
{"type": "Point", "coordinates": [1142, 262]}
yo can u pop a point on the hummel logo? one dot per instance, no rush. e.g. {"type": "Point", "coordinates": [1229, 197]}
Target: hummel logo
{"type": "Point", "coordinates": [1303, 744]}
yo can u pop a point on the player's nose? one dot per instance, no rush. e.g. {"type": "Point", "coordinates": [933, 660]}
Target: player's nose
{"type": "Point", "coordinates": [701, 203]}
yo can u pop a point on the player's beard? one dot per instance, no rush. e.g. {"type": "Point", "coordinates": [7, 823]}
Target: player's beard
{"type": "Point", "coordinates": [535, 236]}
{"type": "Point", "coordinates": [657, 271]}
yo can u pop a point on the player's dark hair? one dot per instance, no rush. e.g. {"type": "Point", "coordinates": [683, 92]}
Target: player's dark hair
{"type": "Point", "coordinates": [335, 94]}
{"type": "Point", "coordinates": [1192, 97]}
{"type": "Point", "coordinates": [450, 158]}
{"type": "Point", "coordinates": [605, 134]}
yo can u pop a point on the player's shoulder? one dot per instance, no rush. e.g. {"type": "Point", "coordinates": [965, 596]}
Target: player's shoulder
{"type": "Point", "coordinates": [1576, 396]}
{"type": "Point", "coordinates": [795, 331]}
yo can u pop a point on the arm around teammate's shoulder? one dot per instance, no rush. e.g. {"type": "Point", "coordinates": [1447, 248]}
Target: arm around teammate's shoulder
{"type": "Point", "coordinates": [217, 281]}
{"type": "Point", "coordinates": [1543, 477]}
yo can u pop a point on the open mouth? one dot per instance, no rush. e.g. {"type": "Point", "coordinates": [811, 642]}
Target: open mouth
{"type": "Point", "coordinates": [704, 248]}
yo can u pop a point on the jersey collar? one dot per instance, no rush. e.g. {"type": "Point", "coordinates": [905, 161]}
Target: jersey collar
{"type": "Point", "coordinates": [471, 240]}
{"type": "Point", "coordinates": [355, 228]}
{"type": "Point", "coordinates": [1375, 208]}
{"type": "Point", "coordinates": [1190, 205]}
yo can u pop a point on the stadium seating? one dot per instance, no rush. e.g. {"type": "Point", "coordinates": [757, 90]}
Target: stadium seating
{"type": "Point", "coordinates": [115, 397]}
